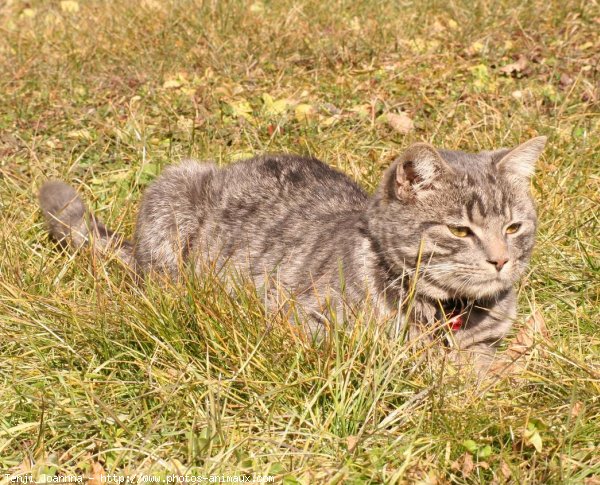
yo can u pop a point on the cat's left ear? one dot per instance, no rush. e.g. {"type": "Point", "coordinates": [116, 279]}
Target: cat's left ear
{"type": "Point", "coordinates": [520, 161]}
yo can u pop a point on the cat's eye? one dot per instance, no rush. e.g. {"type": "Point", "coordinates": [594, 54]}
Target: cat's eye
{"type": "Point", "coordinates": [460, 231]}
{"type": "Point", "coordinates": [513, 228]}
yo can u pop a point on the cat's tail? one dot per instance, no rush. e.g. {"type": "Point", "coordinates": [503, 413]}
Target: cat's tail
{"type": "Point", "coordinates": [71, 224]}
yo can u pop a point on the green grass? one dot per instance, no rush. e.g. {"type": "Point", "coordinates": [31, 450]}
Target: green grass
{"type": "Point", "coordinates": [96, 374]}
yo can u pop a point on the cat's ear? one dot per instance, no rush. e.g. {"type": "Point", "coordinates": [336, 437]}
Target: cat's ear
{"type": "Point", "coordinates": [519, 163]}
{"type": "Point", "coordinates": [416, 170]}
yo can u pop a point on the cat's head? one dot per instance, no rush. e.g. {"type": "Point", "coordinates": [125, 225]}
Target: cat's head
{"type": "Point", "coordinates": [467, 221]}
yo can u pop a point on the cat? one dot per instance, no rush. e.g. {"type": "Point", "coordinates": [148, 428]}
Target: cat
{"type": "Point", "coordinates": [452, 230]}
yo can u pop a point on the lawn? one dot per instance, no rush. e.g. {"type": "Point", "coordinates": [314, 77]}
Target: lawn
{"type": "Point", "coordinates": [100, 376]}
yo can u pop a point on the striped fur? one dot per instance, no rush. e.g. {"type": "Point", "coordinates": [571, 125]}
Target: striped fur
{"type": "Point", "coordinates": [294, 223]}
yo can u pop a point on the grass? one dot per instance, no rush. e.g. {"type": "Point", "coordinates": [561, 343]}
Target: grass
{"type": "Point", "coordinates": [98, 375]}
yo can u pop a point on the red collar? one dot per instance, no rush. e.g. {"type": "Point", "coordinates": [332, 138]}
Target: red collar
{"type": "Point", "coordinates": [455, 314]}
{"type": "Point", "coordinates": [455, 321]}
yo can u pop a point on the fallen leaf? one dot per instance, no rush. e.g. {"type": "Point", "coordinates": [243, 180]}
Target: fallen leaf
{"type": "Point", "coordinates": [565, 80]}
{"type": "Point", "coordinates": [81, 134]}
{"type": "Point", "coordinates": [351, 442]}
{"type": "Point", "coordinates": [505, 469]}
{"type": "Point", "coordinates": [152, 5]}
{"type": "Point", "coordinates": [400, 122]}
{"type": "Point", "coordinates": [538, 324]}
{"type": "Point", "coordinates": [29, 12]}
{"type": "Point", "coordinates": [96, 476]}
{"type": "Point", "coordinates": [172, 84]}
{"type": "Point", "coordinates": [522, 345]}
{"type": "Point", "coordinates": [531, 434]}
{"type": "Point", "coordinates": [257, 7]}
{"type": "Point", "coordinates": [576, 409]}
{"type": "Point", "coordinates": [241, 155]}
{"type": "Point", "coordinates": [535, 326]}
{"type": "Point", "coordinates": [224, 91]}
{"type": "Point", "coordinates": [274, 108]}
{"type": "Point", "coordinates": [550, 94]}
{"type": "Point", "coordinates": [424, 46]}
{"type": "Point", "coordinates": [484, 452]}
{"type": "Point", "coordinates": [362, 110]}
{"type": "Point", "coordinates": [467, 465]}
{"type": "Point", "coordinates": [241, 109]}
{"type": "Point", "coordinates": [470, 446]}
{"type": "Point", "coordinates": [588, 96]}
{"type": "Point", "coordinates": [69, 6]}
{"type": "Point", "coordinates": [305, 112]}
{"type": "Point", "coordinates": [515, 67]}
{"type": "Point", "coordinates": [329, 121]}
{"type": "Point", "coordinates": [548, 167]}
{"type": "Point", "coordinates": [481, 77]}
{"type": "Point", "coordinates": [331, 109]}
{"type": "Point", "coordinates": [475, 48]}
{"type": "Point", "coordinates": [437, 27]}
{"type": "Point", "coordinates": [355, 24]}
{"type": "Point", "coordinates": [534, 438]}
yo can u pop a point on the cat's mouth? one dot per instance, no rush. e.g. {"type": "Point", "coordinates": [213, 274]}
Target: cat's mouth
{"type": "Point", "coordinates": [462, 288]}
{"type": "Point", "coordinates": [485, 288]}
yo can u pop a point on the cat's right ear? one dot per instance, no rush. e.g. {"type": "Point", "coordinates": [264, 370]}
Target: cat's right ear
{"type": "Point", "coordinates": [417, 170]}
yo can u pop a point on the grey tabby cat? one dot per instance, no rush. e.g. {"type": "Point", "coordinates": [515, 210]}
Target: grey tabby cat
{"type": "Point", "coordinates": [454, 229]}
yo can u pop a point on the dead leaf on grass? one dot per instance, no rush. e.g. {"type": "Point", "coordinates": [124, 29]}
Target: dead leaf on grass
{"type": "Point", "coordinates": [467, 464]}
{"type": "Point", "coordinates": [515, 68]}
{"type": "Point", "coordinates": [576, 409]}
{"type": "Point", "coordinates": [305, 112]}
{"type": "Point", "coordinates": [241, 109]}
{"type": "Point", "coordinates": [69, 6]}
{"type": "Point", "coordinates": [274, 107]}
{"type": "Point", "coordinates": [172, 84]}
{"type": "Point", "coordinates": [351, 442]}
{"type": "Point", "coordinates": [96, 474]}
{"type": "Point", "coordinates": [400, 122]}
{"type": "Point", "coordinates": [565, 80]}
{"type": "Point", "coordinates": [505, 470]}
{"type": "Point", "coordinates": [257, 7]}
{"type": "Point", "coordinates": [464, 464]}
{"type": "Point", "coordinates": [475, 48]}
{"type": "Point", "coordinates": [81, 134]}
{"type": "Point", "coordinates": [522, 345]}
{"type": "Point", "coordinates": [590, 91]}
{"type": "Point", "coordinates": [535, 326]}
{"type": "Point", "coordinates": [29, 12]}
{"type": "Point", "coordinates": [437, 27]}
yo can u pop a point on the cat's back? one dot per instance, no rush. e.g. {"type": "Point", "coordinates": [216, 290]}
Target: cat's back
{"type": "Point", "coordinates": [290, 181]}
{"type": "Point", "coordinates": [261, 207]}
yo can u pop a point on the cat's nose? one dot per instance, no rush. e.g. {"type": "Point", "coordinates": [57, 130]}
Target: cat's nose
{"type": "Point", "coordinates": [498, 262]}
